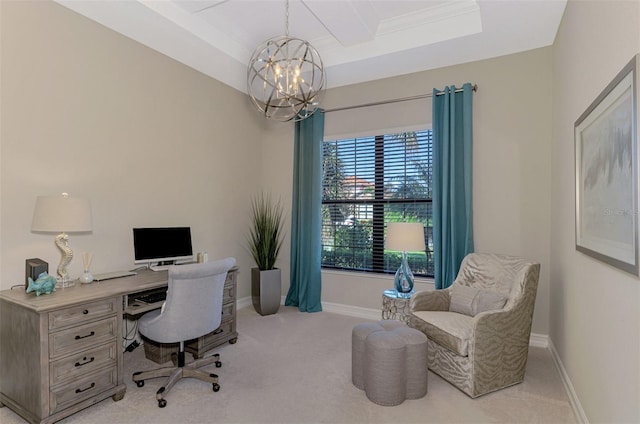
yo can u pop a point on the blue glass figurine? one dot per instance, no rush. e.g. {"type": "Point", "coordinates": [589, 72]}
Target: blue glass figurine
{"type": "Point", "coordinates": [44, 284]}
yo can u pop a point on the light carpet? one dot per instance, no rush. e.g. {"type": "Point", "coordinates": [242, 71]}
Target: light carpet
{"type": "Point", "coordinates": [295, 367]}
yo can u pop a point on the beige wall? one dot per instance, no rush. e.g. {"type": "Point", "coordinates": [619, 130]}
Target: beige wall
{"type": "Point", "coordinates": [595, 309]}
{"type": "Point", "coordinates": [512, 134]}
{"type": "Point", "coordinates": [144, 137]}
{"type": "Point", "coordinates": [152, 142]}
{"type": "Point", "coordinates": [149, 141]}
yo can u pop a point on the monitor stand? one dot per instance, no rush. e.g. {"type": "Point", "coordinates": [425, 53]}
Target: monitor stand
{"type": "Point", "coordinates": [162, 266]}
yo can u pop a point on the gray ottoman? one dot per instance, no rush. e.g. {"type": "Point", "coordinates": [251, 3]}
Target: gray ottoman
{"type": "Point", "coordinates": [389, 361]}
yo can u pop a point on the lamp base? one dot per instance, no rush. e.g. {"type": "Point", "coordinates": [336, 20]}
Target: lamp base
{"type": "Point", "coordinates": [406, 295]}
{"type": "Point", "coordinates": [67, 255]}
{"type": "Point", "coordinates": [64, 282]}
{"type": "Point", "coordinates": [404, 278]}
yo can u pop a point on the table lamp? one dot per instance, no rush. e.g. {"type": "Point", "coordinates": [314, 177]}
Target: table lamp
{"type": "Point", "coordinates": [62, 214]}
{"type": "Point", "coordinates": [405, 237]}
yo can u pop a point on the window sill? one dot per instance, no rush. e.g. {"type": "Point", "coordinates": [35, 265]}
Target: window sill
{"type": "Point", "coordinates": [373, 276]}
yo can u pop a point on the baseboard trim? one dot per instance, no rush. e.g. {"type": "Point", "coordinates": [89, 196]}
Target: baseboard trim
{"type": "Point", "coordinates": [539, 340]}
{"type": "Point", "coordinates": [336, 308]}
{"type": "Point", "coordinates": [352, 311]}
{"type": "Point", "coordinates": [535, 340]}
{"type": "Point", "coordinates": [245, 302]}
{"type": "Point", "coordinates": [576, 406]}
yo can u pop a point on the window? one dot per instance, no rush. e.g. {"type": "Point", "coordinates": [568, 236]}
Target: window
{"type": "Point", "coordinates": [366, 183]}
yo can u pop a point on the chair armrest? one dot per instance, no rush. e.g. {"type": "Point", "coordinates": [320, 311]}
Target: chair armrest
{"type": "Point", "coordinates": [430, 300]}
{"type": "Point", "coordinates": [507, 328]}
{"type": "Point", "coordinates": [512, 324]}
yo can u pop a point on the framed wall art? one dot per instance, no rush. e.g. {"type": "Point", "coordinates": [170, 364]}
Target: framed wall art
{"type": "Point", "coordinates": [606, 177]}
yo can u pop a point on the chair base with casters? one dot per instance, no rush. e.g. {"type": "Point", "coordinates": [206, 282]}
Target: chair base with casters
{"type": "Point", "coordinates": [182, 370]}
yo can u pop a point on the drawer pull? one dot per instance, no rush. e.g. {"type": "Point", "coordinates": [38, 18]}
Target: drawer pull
{"type": "Point", "coordinates": [84, 390]}
{"type": "Point", "coordinates": [93, 333]}
{"type": "Point", "coordinates": [85, 312]}
{"type": "Point", "coordinates": [79, 364]}
{"type": "Point", "coordinates": [218, 331]}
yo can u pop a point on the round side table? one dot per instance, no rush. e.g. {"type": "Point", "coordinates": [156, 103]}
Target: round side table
{"type": "Point", "coordinates": [396, 306]}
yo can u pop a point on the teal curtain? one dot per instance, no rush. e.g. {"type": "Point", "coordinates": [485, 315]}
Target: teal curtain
{"type": "Point", "coordinates": [452, 178]}
{"type": "Point", "coordinates": [306, 215]}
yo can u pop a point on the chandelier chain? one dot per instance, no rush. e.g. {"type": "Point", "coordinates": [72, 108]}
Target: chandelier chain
{"type": "Point", "coordinates": [286, 19]}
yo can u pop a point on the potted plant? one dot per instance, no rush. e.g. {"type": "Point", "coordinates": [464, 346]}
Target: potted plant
{"type": "Point", "coordinates": [265, 240]}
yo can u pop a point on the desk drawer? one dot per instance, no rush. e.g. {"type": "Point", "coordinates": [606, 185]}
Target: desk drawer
{"type": "Point", "coordinates": [65, 395]}
{"type": "Point", "coordinates": [83, 363]}
{"type": "Point", "coordinates": [81, 313]}
{"type": "Point", "coordinates": [82, 337]}
{"type": "Point", "coordinates": [228, 311]}
{"type": "Point", "coordinates": [215, 338]}
{"type": "Point", "coordinates": [222, 332]}
{"type": "Point", "coordinates": [228, 294]}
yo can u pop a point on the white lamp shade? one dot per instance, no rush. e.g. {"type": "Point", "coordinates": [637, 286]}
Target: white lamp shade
{"type": "Point", "coordinates": [61, 214]}
{"type": "Point", "coordinates": [405, 236]}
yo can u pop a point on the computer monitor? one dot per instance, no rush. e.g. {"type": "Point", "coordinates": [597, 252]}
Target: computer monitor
{"type": "Point", "coordinates": [162, 247]}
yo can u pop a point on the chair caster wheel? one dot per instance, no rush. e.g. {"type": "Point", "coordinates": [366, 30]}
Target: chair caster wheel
{"type": "Point", "coordinates": [162, 403]}
{"type": "Point", "coordinates": [218, 364]}
{"type": "Point", "coordinates": [140, 383]}
{"type": "Point", "coordinates": [216, 387]}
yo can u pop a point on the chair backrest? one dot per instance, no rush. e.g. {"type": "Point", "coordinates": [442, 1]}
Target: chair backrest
{"type": "Point", "coordinates": [508, 275]}
{"type": "Point", "coordinates": [194, 300]}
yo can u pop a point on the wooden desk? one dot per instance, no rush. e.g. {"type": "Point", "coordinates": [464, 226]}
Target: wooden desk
{"type": "Point", "coordinates": [62, 352]}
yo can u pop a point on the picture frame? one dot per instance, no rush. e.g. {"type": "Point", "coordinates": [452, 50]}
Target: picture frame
{"type": "Point", "coordinates": [606, 174]}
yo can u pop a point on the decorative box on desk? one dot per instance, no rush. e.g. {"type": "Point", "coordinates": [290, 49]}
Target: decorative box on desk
{"type": "Point", "coordinates": [161, 352]}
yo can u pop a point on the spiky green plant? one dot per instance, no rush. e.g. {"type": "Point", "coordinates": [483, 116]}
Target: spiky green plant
{"type": "Point", "coordinates": [266, 233]}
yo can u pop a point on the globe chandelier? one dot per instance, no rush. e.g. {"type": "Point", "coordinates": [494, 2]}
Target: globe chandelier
{"type": "Point", "coordinates": [285, 77]}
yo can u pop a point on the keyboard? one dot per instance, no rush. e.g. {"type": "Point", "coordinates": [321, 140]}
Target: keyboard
{"type": "Point", "coordinates": [152, 297]}
{"type": "Point", "coordinates": [111, 275]}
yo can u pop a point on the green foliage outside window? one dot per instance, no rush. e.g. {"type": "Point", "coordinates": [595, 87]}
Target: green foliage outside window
{"type": "Point", "coordinates": [368, 183]}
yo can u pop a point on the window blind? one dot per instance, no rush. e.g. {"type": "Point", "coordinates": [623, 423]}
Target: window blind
{"type": "Point", "coordinates": [367, 183]}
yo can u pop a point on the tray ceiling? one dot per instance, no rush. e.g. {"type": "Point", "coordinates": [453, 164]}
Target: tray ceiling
{"type": "Point", "coordinates": [358, 40]}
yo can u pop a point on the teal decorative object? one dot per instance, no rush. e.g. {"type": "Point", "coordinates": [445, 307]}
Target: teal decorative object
{"type": "Point", "coordinates": [44, 284]}
{"type": "Point", "coordinates": [405, 237]}
{"type": "Point", "coordinates": [404, 278]}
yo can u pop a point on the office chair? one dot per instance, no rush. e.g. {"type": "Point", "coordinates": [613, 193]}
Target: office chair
{"type": "Point", "coordinates": [193, 308]}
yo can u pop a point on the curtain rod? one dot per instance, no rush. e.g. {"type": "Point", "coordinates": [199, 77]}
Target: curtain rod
{"type": "Point", "coordinates": [402, 99]}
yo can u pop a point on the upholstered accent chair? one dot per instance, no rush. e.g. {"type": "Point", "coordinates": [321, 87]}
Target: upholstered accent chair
{"type": "Point", "coordinates": [478, 329]}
